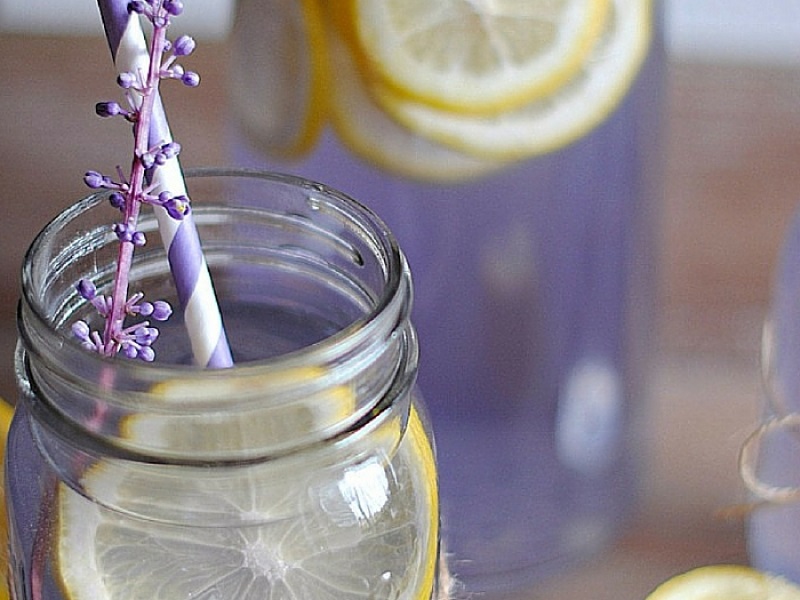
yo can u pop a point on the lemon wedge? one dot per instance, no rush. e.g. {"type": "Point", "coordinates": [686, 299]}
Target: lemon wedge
{"type": "Point", "coordinates": [371, 134]}
{"type": "Point", "coordinates": [278, 77]}
{"type": "Point", "coordinates": [306, 534]}
{"type": "Point", "coordinates": [476, 55]}
{"type": "Point", "coordinates": [725, 582]}
{"type": "Point", "coordinates": [546, 123]}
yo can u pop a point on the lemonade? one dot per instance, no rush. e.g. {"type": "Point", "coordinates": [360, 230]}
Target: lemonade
{"type": "Point", "coordinates": [527, 210]}
{"type": "Point", "coordinates": [305, 471]}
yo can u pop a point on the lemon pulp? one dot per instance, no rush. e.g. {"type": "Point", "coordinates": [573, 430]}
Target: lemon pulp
{"type": "Point", "coordinates": [364, 532]}
{"type": "Point", "coordinates": [476, 55]}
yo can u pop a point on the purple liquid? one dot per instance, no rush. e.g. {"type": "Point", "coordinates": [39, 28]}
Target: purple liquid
{"type": "Point", "coordinates": [534, 304]}
{"type": "Point", "coordinates": [774, 530]}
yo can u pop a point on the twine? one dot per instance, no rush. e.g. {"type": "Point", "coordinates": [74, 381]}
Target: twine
{"type": "Point", "coordinates": [785, 419]}
{"type": "Point", "coordinates": [748, 459]}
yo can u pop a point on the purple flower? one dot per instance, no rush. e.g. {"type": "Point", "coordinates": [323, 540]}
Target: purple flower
{"type": "Point", "coordinates": [116, 200]}
{"type": "Point", "coordinates": [135, 341]}
{"type": "Point", "coordinates": [86, 289]}
{"type": "Point", "coordinates": [190, 79]}
{"type": "Point", "coordinates": [81, 330]}
{"type": "Point", "coordinates": [184, 46]}
{"type": "Point", "coordinates": [108, 109]}
{"type": "Point", "coordinates": [95, 180]}
{"type": "Point", "coordinates": [178, 207]}
{"type": "Point", "coordinates": [161, 310]}
{"type": "Point", "coordinates": [148, 160]}
{"type": "Point", "coordinates": [123, 232]}
{"type": "Point", "coordinates": [146, 354]}
{"type": "Point", "coordinates": [173, 7]}
{"type": "Point", "coordinates": [171, 149]}
{"type": "Point", "coordinates": [126, 80]}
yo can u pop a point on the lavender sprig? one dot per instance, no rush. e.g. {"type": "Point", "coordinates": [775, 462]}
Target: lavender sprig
{"type": "Point", "coordinates": [128, 193]}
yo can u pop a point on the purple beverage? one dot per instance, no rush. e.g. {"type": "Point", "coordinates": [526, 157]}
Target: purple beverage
{"type": "Point", "coordinates": [534, 292]}
{"type": "Point", "coordinates": [774, 525]}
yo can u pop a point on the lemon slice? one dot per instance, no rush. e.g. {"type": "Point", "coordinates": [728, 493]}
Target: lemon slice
{"type": "Point", "coordinates": [549, 122]}
{"type": "Point", "coordinates": [188, 422]}
{"type": "Point", "coordinates": [278, 74]}
{"type": "Point", "coordinates": [372, 135]}
{"type": "Point", "coordinates": [321, 535]}
{"type": "Point", "coordinates": [476, 55]}
{"type": "Point", "coordinates": [725, 582]}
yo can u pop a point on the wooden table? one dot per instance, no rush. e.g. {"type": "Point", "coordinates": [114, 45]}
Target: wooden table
{"type": "Point", "coordinates": [732, 183]}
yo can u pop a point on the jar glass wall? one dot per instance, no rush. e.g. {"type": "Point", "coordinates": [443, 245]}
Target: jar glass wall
{"type": "Point", "coordinates": [306, 470]}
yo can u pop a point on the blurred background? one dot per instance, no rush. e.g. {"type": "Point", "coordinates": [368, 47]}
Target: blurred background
{"type": "Point", "coordinates": [731, 185]}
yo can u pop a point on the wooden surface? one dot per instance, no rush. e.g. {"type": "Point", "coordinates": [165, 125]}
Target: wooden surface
{"type": "Point", "coordinates": [732, 183]}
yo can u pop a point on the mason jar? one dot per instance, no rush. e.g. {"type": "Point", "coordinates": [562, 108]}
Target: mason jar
{"type": "Point", "coordinates": [304, 471]}
{"type": "Point", "coordinates": [536, 275]}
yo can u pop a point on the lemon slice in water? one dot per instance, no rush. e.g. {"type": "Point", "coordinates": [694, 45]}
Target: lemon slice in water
{"type": "Point", "coordinates": [326, 535]}
{"type": "Point", "coordinates": [550, 122]}
{"type": "Point", "coordinates": [725, 582]}
{"type": "Point", "coordinates": [370, 133]}
{"type": "Point", "coordinates": [476, 55]}
{"type": "Point", "coordinates": [278, 74]}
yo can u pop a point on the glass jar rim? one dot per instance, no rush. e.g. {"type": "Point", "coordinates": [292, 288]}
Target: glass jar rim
{"type": "Point", "coordinates": [395, 267]}
{"type": "Point", "coordinates": [383, 330]}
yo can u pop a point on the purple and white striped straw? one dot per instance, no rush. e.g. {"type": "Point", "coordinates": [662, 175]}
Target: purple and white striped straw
{"type": "Point", "coordinates": [180, 238]}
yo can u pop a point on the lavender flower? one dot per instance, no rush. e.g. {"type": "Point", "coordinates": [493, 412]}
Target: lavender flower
{"type": "Point", "coordinates": [128, 193]}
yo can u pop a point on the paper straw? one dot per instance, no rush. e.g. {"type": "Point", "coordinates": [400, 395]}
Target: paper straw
{"type": "Point", "coordinates": [195, 291]}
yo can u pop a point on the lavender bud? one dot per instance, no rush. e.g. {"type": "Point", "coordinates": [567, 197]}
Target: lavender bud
{"type": "Point", "coordinates": [161, 310]}
{"type": "Point", "coordinates": [178, 207]}
{"type": "Point", "coordinates": [94, 179]}
{"type": "Point", "coordinates": [176, 72]}
{"type": "Point", "coordinates": [145, 309]}
{"type": "Point", "coordinates": [122, 232]}
{"type": "Point", "coordinates": [173, 7]}
{"type": "Point", "coordinates": [190, 79]}
{"type": "Point", "coordinates": [126, 80]}
{"type": "Point", "coordinates": [148, 160]}
{"type": "Point", "coordinates": [129, 350]}
{"type": "Point", "coordinates": [80, 329]}
{"type": "Point", "coordinates": [86, 289]}
{"type": "Point", "coordinates": [138, 238]}
{"type": "Point", "coordinates": [116, 200]}
{"type": "Point", "coordinates": [145, 336]}
{"type": "Point", "coordinates": [146, 354]}
{"type": "Point", "coordinates": [184, 46]}
{"type": "Point", "coordinates": [107, 109]}
{"type": "Point", "coordinates": [171, 149]}
{"type": "Point", "coordinates": [136, 6]}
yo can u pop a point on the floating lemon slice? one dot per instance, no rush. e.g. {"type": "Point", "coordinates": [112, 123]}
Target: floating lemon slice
{"type": "Point", "coordinates": [278, 74]}
{"type": "Point", "coordinates": [725, 582]}
{"type": "Point", "coordinates": [188, 420]}
{"type": "Point", "coordinates": [549, 122]}
{"type": "Point", "coordinates": [476, 55]}
{"type": "Point", "coordinates": [371, 134]}
{"type": "Point", "coordinates": [310, 534]}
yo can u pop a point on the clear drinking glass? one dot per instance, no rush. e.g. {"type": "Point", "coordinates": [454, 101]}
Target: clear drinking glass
{"type": "Point", "coordinates": [304, 471]}
{"type": "Point", "coordinates": [771, 457]}
{"type": "Point", "coordinates": [535, 278]}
